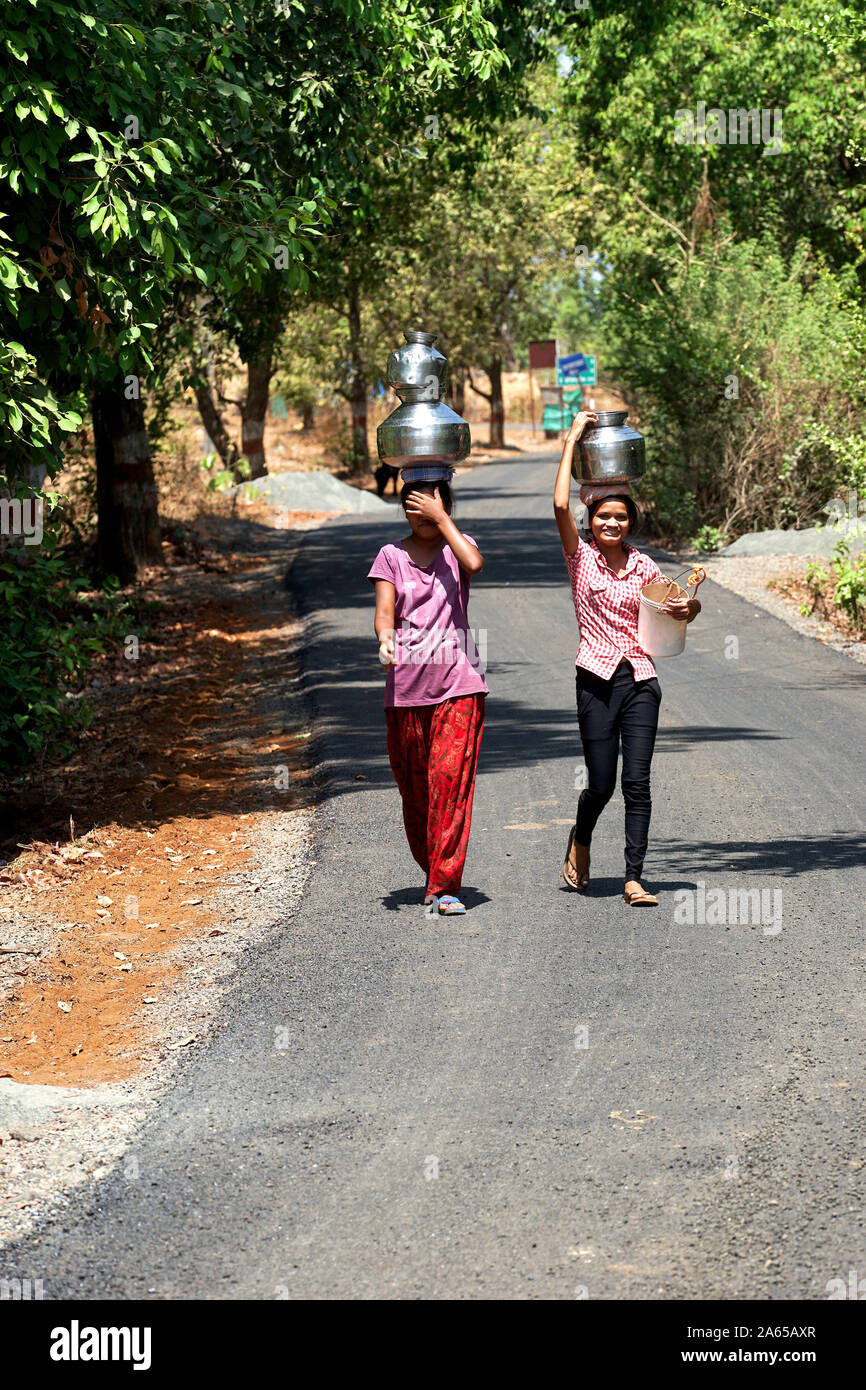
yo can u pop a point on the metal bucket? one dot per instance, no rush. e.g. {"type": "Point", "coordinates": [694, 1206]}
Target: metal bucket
{"type": "Point", "coordinates": [659, 634]}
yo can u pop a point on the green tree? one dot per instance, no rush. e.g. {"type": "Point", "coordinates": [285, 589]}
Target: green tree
{"type": "Point", "coordinates": [636, 68]}
{"type": "Point", "coordinates": [132, 139]}
{"type": "Point", "coordinates": [672, 222]}
{"type": "Point", "coordinates": [362, 83]}
{"type": "Point", "coordinates": [478, 253]}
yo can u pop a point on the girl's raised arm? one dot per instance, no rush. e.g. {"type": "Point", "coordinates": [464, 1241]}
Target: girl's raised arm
{"type": "Point", "coordinates": [469, 557]}
{"type": "Point", "coordinates": [430, 506]}
{"type": "Point", "coordinates": [562, 490]}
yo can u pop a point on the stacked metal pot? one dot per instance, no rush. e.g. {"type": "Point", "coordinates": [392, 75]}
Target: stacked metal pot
{"type": "Point", "coordinates": [423, 438]}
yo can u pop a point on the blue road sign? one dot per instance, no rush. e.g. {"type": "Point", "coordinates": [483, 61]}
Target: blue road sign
{"type": "Point", "coordinates": [577, 368]}
{"type": "Point", "coordinates": [571, 366]}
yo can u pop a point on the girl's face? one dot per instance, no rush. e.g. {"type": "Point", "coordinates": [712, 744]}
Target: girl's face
{"type": "Point", "coordinates": [610, 523]}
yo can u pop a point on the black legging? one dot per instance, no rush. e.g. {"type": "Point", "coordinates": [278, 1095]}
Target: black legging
{"type": "Point", "coordinates": [608, 710]}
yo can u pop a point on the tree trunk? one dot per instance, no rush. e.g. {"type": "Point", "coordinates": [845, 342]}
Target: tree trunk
{"type": "Point", "coordinates": [213, 422]}
{"type": "Point", "coordinates": [494, 396]}
{"type": "Point", "coordinates": [457, 390]}
{"type": "Point", "coordinates": [254, 410]}
{"type": "Point", "coordinates": [128, 517]}
{"type": "Point", "coordinates": [497, 405]}
{"type": "Point", "coordinates": [358, 392]}
{"type": "Point", "coordinates": [308, 418]}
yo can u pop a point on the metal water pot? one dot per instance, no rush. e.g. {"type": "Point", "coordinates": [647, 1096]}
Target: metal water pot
{"type": "Point", "coordinates": [422, 427]}
{"type": "Point", "coordinates": [609, 451]}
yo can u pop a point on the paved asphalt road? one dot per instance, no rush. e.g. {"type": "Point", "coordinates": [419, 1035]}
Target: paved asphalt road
{"type": "Point", "coordinates": [699, 1135]}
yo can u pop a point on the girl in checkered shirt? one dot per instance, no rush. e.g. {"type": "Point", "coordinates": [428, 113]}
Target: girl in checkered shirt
{"type": "Point", "coordinates": [618, 694]}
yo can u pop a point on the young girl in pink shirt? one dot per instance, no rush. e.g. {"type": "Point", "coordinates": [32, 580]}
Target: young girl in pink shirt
{"type": "Point", "coordinates": [434, 687]}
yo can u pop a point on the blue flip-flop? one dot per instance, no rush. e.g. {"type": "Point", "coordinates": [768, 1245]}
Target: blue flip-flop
{"type": "Point", "coordinates": [449, 906]}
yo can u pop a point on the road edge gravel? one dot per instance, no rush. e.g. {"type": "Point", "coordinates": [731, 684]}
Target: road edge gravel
{"type": "Point", "coordinates": [94, 1129]}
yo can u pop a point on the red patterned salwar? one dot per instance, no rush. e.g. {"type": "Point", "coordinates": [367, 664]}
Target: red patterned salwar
{"type": "Point", "coordinates": [433, 750]}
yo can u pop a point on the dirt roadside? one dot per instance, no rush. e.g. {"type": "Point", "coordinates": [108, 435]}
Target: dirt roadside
{"type": "Point", "coordinates": [181, 831]}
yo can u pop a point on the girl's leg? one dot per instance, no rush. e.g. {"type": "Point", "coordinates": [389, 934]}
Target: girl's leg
{"type": "Point", "coordinates": [408, 752]}
{"type": "Point", "coordinates": [454, 746]}
{"type": "Point", "coordinates": [598, 719]}
{"type": "Point", "coordinates": [640, 718]}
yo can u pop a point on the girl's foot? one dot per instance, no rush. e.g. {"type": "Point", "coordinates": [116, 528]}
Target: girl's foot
{"type": "Point", "coordinates": [637, 896]}
{"type": "Point", "coordinates": [575, 869]}
{"type": "Point", "coordinates": [449, 906]}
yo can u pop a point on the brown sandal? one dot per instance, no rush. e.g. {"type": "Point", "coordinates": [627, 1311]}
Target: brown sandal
{"type": "Point", "coordinates": [568, 868]}
{"type": "Point", "coordinates": [640, 899]}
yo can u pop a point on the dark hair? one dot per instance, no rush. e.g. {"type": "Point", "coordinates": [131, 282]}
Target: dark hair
{"type": "Point", "coordinates": [444, 492]}
{"type": "Point", "coordinates": [635, 519]}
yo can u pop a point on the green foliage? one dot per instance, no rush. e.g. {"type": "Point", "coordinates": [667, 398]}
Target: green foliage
{"type": "Point", "coordinates": [726, 260]}
{"type": "Point", "coordinates": [310, 356]}
{"type": "Point", "coordinates": [817, 579]}
{"type": "Point", "coordinates": [738, 364]}
{"type": "Point", "coordinates": [53, 632]}
{"type": "Point", "coordinates": [477, 250]}
{"type": "Point", "coordinates": [843, 454]}
{"type": "Point", "coordinates": [839, 27]}
{"type": "Point", "coordinates": [709, 539]}
{"type": "Point", "coordinates": [638, 64]}
{"type": "Point", "coordinates": [364, 86]}
{"type": "Point", "coordinates": [221, 479]}
{"type": "Point", "coordinates": [844, 583]}
{"type": "Point", "coordinates": [129, 157]}
{"type": "Point", "coordinates": [849, 592]}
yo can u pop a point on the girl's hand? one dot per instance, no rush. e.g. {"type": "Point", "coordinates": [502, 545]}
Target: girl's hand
{"type": "Point", "coordinates": [677, 608]}
{"type": "Point", "coordinates": [386, 649]}
{"type": "Point", "coordinates": [682, 609]}
{"type": "Point", "coordinates": [426, 506]}
{"type": "Point", "coordinates": [579, 424]}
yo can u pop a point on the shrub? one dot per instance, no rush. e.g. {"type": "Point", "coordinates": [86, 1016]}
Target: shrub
{"type": "Point", "coordinates": [53, 632]}
{"type": "Point", "coordinates": [846, 586]}
{"type": "Point", "coordinates": [709, 539]}
{"type": "Point", "coordinates": [850, 589]}
{"type": "Point", "coordinates": [745, 371]}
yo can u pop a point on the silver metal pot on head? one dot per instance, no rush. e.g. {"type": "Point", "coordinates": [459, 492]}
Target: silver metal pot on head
{"type": "Point", "coordinates": [422, 428]}
{"type": "Point", "coordinates": [609, 451]}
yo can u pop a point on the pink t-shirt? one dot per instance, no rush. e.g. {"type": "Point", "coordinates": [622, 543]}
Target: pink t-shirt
{"type": "Point", "coordinates": [436, 650]}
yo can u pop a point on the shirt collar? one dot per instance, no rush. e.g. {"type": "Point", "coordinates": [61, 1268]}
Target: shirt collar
{"type": "Point", "coordinates": [630, 552]}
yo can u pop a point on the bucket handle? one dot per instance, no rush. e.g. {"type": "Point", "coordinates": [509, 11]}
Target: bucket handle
{"type": "Point", "coordinates": [696, 577]}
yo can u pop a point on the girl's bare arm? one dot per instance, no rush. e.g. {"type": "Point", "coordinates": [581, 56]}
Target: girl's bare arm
{"type": "Point", "coordinates": [386, 598]}
{"type": "Point", "coordinates": [562, 489]}
{"type": "Point", "coordinates": [469, 557]}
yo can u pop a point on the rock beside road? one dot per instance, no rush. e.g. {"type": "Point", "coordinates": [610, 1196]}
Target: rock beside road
{"type": "Point", "coordinates": [815, 540]}
{"type": "Point", "coordinates": [317, 491]}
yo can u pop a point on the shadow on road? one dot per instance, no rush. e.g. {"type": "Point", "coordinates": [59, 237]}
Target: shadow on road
{"type": "Point", "coordinates": [399, 898]}
{"type": "Point", "coordinates": [790, 855]}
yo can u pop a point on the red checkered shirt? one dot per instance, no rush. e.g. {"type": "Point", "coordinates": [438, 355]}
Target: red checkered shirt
{"type": "Point", "coordinates": [606, 607]}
